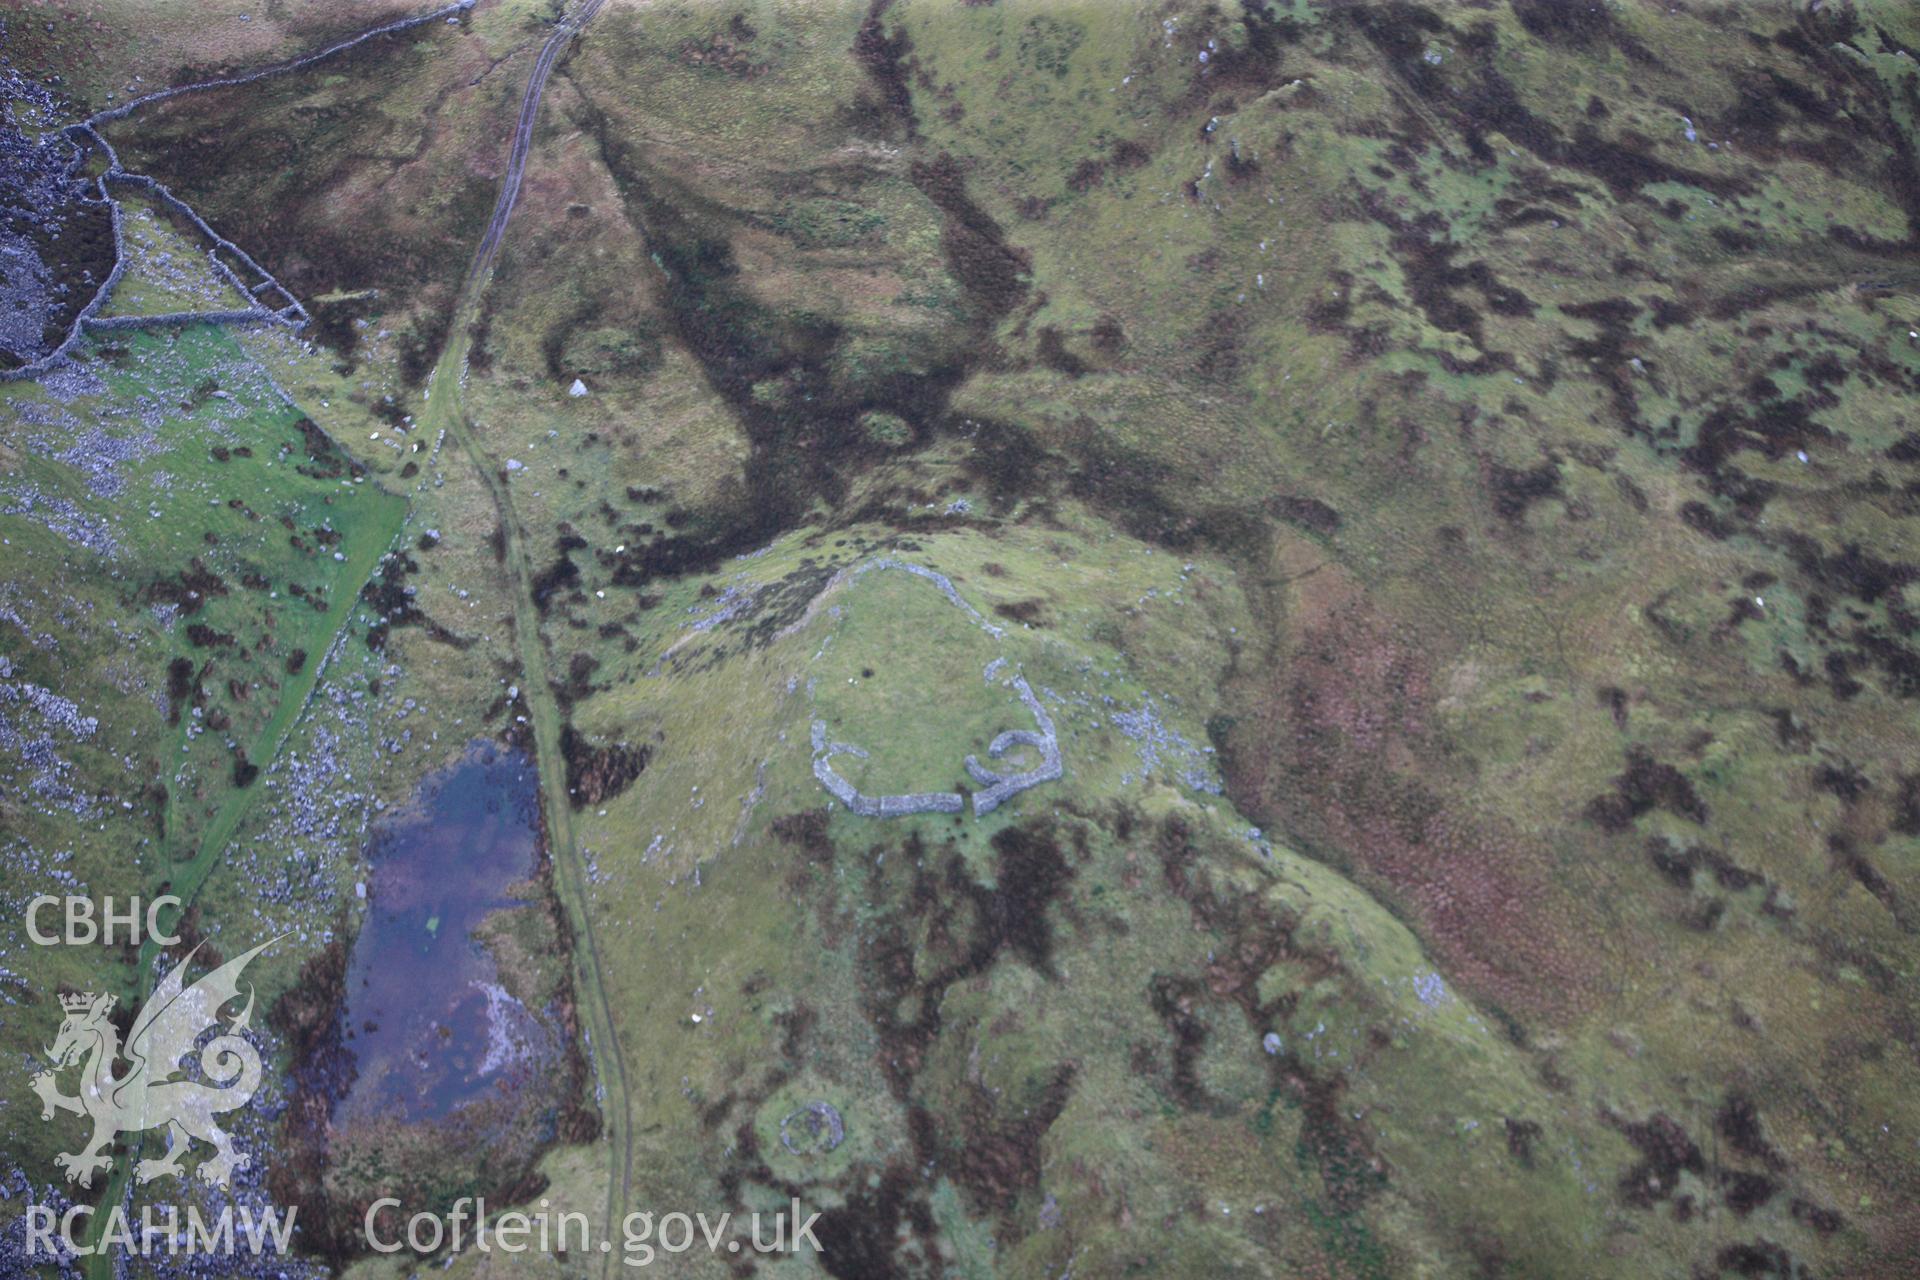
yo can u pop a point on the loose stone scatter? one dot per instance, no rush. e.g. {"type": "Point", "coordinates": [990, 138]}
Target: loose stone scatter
{"type": "Point", "coordinates": [814, 1129]}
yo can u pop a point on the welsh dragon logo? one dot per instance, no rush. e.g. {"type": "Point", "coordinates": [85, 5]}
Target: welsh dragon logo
{"type": "Point", "coordinates": [153, 1092]}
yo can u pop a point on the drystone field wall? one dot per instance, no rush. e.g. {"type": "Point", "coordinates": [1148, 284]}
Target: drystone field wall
{"type": "Point", "coordinates": [89, 320]}
{"type": "Point", "coordinates": [86, 134]}
{"type": "Point", "coordinates": [57, 356]}
{"type": "Point", "coordinates": [279, 68]}
{"type": "Point", "coordinates": [896, 806]}
{"type": "Point", "coordinates": [1001, 787]}
{"type": "Point", "coordinates": [998, 787]}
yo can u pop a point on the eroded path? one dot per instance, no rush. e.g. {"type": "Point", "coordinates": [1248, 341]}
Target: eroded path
{"type": "Point", "coordinates": [444, 412]}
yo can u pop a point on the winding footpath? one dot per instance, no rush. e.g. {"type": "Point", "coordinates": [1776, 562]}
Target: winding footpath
{"type": "Point", "coordinates": [483, 257]}
{"type": "Point", "coordinates": [444, 412]}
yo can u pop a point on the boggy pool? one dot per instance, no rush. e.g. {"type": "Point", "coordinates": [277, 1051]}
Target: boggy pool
{"type": "Point", "coordinates": [429, 1022]}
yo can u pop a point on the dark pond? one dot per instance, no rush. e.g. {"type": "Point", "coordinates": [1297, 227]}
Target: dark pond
{"type": "Point", "coordinates": [428, 1023]}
